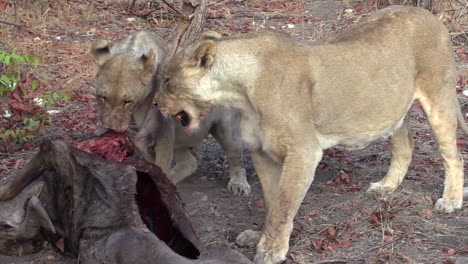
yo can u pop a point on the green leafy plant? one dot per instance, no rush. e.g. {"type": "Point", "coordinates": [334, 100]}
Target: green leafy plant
{"type": "Point", "coordinates": [53, 98]}
{"type": "Point", "coordinates": [10, 70]}
{"type": "Point", "coordinates": [18, 87]}
{"type": "Point", "coordinates": [21, 134]}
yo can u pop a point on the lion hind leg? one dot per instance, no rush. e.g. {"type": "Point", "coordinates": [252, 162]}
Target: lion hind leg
{"type": "Point", "coordinates": [442, 115]}
{"type": "Point", "coordinates": [186, 163]}
{"type": "Point", "coordinates": [402, 144]}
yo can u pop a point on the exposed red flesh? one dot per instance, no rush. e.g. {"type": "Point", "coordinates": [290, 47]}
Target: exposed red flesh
{"type": "Point", "coordinates": [111, 146]}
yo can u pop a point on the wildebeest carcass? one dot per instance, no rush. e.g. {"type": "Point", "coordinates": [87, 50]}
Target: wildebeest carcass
{"type": "Point", "coordinates": [106, 212]}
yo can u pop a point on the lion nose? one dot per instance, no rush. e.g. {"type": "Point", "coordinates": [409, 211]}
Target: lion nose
{"type": "Point", "coordinates": [156, 99]}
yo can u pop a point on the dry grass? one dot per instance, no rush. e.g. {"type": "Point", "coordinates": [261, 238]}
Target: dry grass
{"type": "Point", "coordinates": [454, 13]}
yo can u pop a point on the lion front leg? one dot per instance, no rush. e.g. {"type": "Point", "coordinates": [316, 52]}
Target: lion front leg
{"type": "Point", "coordinates": [296, 176]}
{"type": "Point", "coordinates": [269, 173]}
{"type": "Point", "coordinates": [227, 133]}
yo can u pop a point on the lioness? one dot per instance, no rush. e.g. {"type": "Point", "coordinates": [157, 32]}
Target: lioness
{"type": "Point", "coordinates": [297, 99]}
{"type": "Point", "coordinates": [125, 83]}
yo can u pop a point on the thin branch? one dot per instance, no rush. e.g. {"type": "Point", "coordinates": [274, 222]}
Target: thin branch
{"type": "Point", "coordinates": [384, 244]}
{"type": "Point", "coordinates": [332, 261]}
{"type": "Point", "coordinates": [461, 3]}
{"type": "Point", "coordinates": [145, 15]}
{"type": "Point", "coordinates": [173, 8]}
{"type": "Point", "coordinates": [10, 23]}
{"type": "Point", "coordinates": [11, 154]}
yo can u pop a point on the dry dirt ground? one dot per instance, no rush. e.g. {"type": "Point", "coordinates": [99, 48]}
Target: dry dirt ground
{"type": "Point", "coordinates": [337, 222]}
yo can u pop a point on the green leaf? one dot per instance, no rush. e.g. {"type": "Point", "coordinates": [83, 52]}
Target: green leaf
{"type": "Point", "coordinates": [35, 61]}
{"type": "Point", "coordinates": [27, 58]}
{"type": "Point", "coordinates": [30, 124]}
{"type": "Point", "coordinates": [5, 80]}
{"type": "Point", "coordinates": [10, 133]}
{"type": "Point", "coordinates": [33, 85]}
{"type": "Point", "coordinates": [66, 97]}
{"type": "Point", "coordinates": [7, 60]}
{"type": "Point", "coordinates": [16, 57]}
{"type": "Point", "coordinates": [29, 137]}
{"type": "Point", "coordinates": [55, 96]}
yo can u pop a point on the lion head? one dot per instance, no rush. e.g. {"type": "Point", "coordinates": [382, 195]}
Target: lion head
{"type": "Point", "coordinates": [122, 83]}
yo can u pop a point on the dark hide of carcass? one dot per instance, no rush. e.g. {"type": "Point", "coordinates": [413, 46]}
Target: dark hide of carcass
{"type": "Point", "coordinates": [106, 212]}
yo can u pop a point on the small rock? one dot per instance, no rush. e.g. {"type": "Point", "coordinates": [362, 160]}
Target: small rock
{"type": "Point", "coordinates": [131, 19]}
{"type": "Point", "coordinates": [7, 114]}
{"type": "Point", "coordinates": [39, 101]}
{"type": "Point", "coordinates": [58, 38]}
{"type": "Point", "coordinates": [36, 39]}
{"type": "Point", "coordinates": [53, 112]}
{"type": "Point", "coordinates": [290, 26]}
{"type": "Point", "coordinates": [465, 92]}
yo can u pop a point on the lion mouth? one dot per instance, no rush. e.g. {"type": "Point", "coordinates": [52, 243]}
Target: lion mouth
{"type": "Point", "coordinates": [183, 118]}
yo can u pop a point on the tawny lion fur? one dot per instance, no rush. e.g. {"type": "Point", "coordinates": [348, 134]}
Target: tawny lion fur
{"type": "Point", "coordinates": [298, 99]}
{"type": "Point", "coordinates": [128, 75]}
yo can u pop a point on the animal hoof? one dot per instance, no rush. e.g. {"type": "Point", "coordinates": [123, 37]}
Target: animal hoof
{"type": "Point", "coordinates": [248, 238]}
{"type": "Point", "coordinates": [269, 257]}
{"type": "Point", "coordinates": [380, 189]}
{"type": "Point", "coordinates": [447, 205]}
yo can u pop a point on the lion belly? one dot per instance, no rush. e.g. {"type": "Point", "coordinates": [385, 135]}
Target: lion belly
{"type": "Point", "coordinates": [357, 141]}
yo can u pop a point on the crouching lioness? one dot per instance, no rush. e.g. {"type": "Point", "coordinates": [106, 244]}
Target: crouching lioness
{"type": "Point", "coordinates": [126, 81]}
{"type": "Point", "coordinates": [298, 99]}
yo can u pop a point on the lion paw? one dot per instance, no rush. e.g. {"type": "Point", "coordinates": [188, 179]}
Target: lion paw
{"type": "Point", "coordinates": [248, 238]}
{"type": "Point", "coordinates": [238, 184]}
{"type": "Point", "coordinates": [269, 257]}
{"type": "Point", "coordinates": [241, 188]}
{"type": "Point", "coordinates": [447, 205]}
{"type": "Point", "coordinates": [380, 189]}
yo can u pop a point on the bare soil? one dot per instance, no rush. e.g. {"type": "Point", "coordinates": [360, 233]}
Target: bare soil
{"type": "Point", "coordinates": [338, 221]}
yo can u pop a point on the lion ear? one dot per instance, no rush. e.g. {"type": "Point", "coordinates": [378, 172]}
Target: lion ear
{"type": "Point", "coordinates": [100, 51]}
{"type": "Point", "coordinates": [148, 61]}
{"type": "Point", "coordinates": [205, 53]}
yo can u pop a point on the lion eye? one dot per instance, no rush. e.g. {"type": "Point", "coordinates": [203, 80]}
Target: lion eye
{"type": "Point", "coordinates": [5, 226]}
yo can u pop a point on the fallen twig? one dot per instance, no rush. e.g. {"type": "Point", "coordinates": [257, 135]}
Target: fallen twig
{"type": "Point", "coordinates": [11, 154]}
{"type": "Point", "coordinates": [145, 15]}
{"type": "Point", "coordinates": [333, 261]}
{"type": "Point", "coordinates": [384, 244]}
{"type": "Point", "coordinates": [173, 8]}
{"type": "Point", "coordinates": [10, 23]}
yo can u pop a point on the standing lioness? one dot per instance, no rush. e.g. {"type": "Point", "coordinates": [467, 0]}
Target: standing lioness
{"type": "Point", "coordinates": [297, 100]}
{"type": "Point", "coordinates": [127, 78]}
